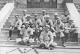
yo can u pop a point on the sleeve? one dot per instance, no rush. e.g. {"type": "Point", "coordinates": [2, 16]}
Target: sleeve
{"type": "Point", "coordinates": [16, 23]}
{"type": "Point", "coordinates": [31, 31]}
{"type": "Point", "coordinates": [73, 26]}
{"type": "Point", "coordinates": [51, 35]}
{"type": "Point", "coordinates": [30, 21]}
{"type": "Point", "coordinates": [21, 32]}
{"type": "Point", "coordinates": [12, 22]}
{"type": "Point", "coordinates": [23, 19]}
{"type": "Point", "coordinates": [41, 35]}
{"type": "Point", "coordinates": [62, 26]}
{"type": "Point", "coordinates": [39, 21]}
{"type": "Point", "coordinates": [20, 22]}
{"type": "Point", "coordinates": [51, 22]}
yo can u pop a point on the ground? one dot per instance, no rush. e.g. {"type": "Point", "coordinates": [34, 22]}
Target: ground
{"type": "Point", "coordinates": [3, 50]}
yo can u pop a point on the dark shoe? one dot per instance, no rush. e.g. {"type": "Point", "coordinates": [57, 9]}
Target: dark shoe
{"type": "Point", "coordinates": [9, 39]}
{"type": "Point", "coordinates": [50, 48]}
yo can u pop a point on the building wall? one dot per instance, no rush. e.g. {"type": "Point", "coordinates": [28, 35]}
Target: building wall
{"type": "Point", "coordinates": [76, 1]}
{"type": "Point", "coordinates": [60, 3]}
{"type": "Point", "coordinates": [22, 1]}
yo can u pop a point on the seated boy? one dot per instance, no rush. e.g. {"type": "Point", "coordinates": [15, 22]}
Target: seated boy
{"type": "Point", "coordinates": [26, 32]}
{"type": "Point", "coordinates": [15, 25]}
{"type": "Point", "coordinates": [46, 38]}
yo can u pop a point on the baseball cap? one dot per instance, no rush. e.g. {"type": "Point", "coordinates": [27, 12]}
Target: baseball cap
{"type": "Point", "coordinates": [48, 26]}
{"type": "Point", "coordinates": [56, 14]}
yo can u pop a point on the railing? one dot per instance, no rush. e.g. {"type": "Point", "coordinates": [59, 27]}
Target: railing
{"type": "Point", "coordinates": [5, 13]}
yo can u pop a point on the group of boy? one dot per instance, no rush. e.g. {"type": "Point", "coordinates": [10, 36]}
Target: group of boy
{"type": "Point", "coordinates": [44, 29]}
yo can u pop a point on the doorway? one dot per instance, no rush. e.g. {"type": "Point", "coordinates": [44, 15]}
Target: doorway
{"type": "Point", "coordinates": [41, 3]}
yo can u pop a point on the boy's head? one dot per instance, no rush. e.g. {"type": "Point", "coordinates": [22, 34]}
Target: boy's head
{"type": "Point", "coordinates": [56, 15]}
{"type": "Point", "coordinates": [43, 12]}
{"type": "Point", "coordinates": [24, 12]}
{"type": "Point", "coordinates": [16, 17]}
{"type": "Point", "coordinates": [47, 27]}
{"type": "Point", "coordinates": [58, 21]}
{"type": "Point", "coordinates": [26, 25]}
{"type": "Point", "coordinates": [36, 16]}
{"type": "Point", "coordinates": [28, 17]}
{"type": "Point", "coordinates": [46, 17]}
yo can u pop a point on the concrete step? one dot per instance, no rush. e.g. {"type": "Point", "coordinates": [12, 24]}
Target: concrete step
{"type": "Point", "coordinates": [2, 5]}
{"type": "Point", "coordinates": [7, 24]}
{"type": "Point", "coordinates": [1, 2]}
{"type": "Point", "coordinates": [5, 29]}
{"type": "Point", "coordinates": [5, 35]}
{"type": "Point", "coordinates": [32, 9]}
{"type": "Point", "coordinates": [71, 43]}
{"type": "Point", "coordinates": [13, 42]}
{"type": "Point", "coordinates": [19, 11]}
{"type": "Point", "coordinates": [21, 6]}
{"type": "Point", "coordinates": [38, 10]}
{"type": "Point", "coordinates": [59, 43]}
{"type": "Point", "coordinates": [20, 16]}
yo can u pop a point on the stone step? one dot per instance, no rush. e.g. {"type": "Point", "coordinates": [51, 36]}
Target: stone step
{"type": "Point", "coordinates": [7, 24]}
{"type": "Point", "coordinates": [19, 11]}
{"type": "Point", "coordinates": [5, 29]}
{"type": "Point", "coordinates": [37, 12]}
{"type": "Point", "coordinates": [2, 5]}
{"type": "Point", "coordinates": [20, 16]}
{"type": "Point", "coordinates": [13, 42]}
{"type": "Point", "coordinates": [5, 35]}
{"type": "Point", "coordinates": [1, 2]}
{"type": "Point", "coordinates": [59, 43]}
{"type": "Point", "coordinates": [72, 44]}
{"type": "Point", "coordinates": [36, 9]}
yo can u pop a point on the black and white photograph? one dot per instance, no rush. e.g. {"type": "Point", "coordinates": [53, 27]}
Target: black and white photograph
{"type": "Point", "coordinates": [39, 26]}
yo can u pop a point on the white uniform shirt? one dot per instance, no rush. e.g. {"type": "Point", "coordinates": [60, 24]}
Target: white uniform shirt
{"type": "Point", "coordinates": [17, 23]}
{"type": "Point", "coordinates": [50, 23]}
{"type": "Point", "coordinates": [46, 36]}
{"type": "Point", "coordinates": [27, 32]}
{"type": "Point", "coordinates": [67, 28]}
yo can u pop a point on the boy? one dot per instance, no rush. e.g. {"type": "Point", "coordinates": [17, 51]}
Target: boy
{"type": "Point", "coordinates": [46, 38]}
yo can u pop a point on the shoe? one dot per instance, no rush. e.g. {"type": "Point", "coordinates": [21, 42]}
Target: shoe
{"type": "Point", "coordinates": [9, 38]}
{"type": "Point", "coordinates": [64, 45]}
{"type": "Point", "coordinates": [50, 48]}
